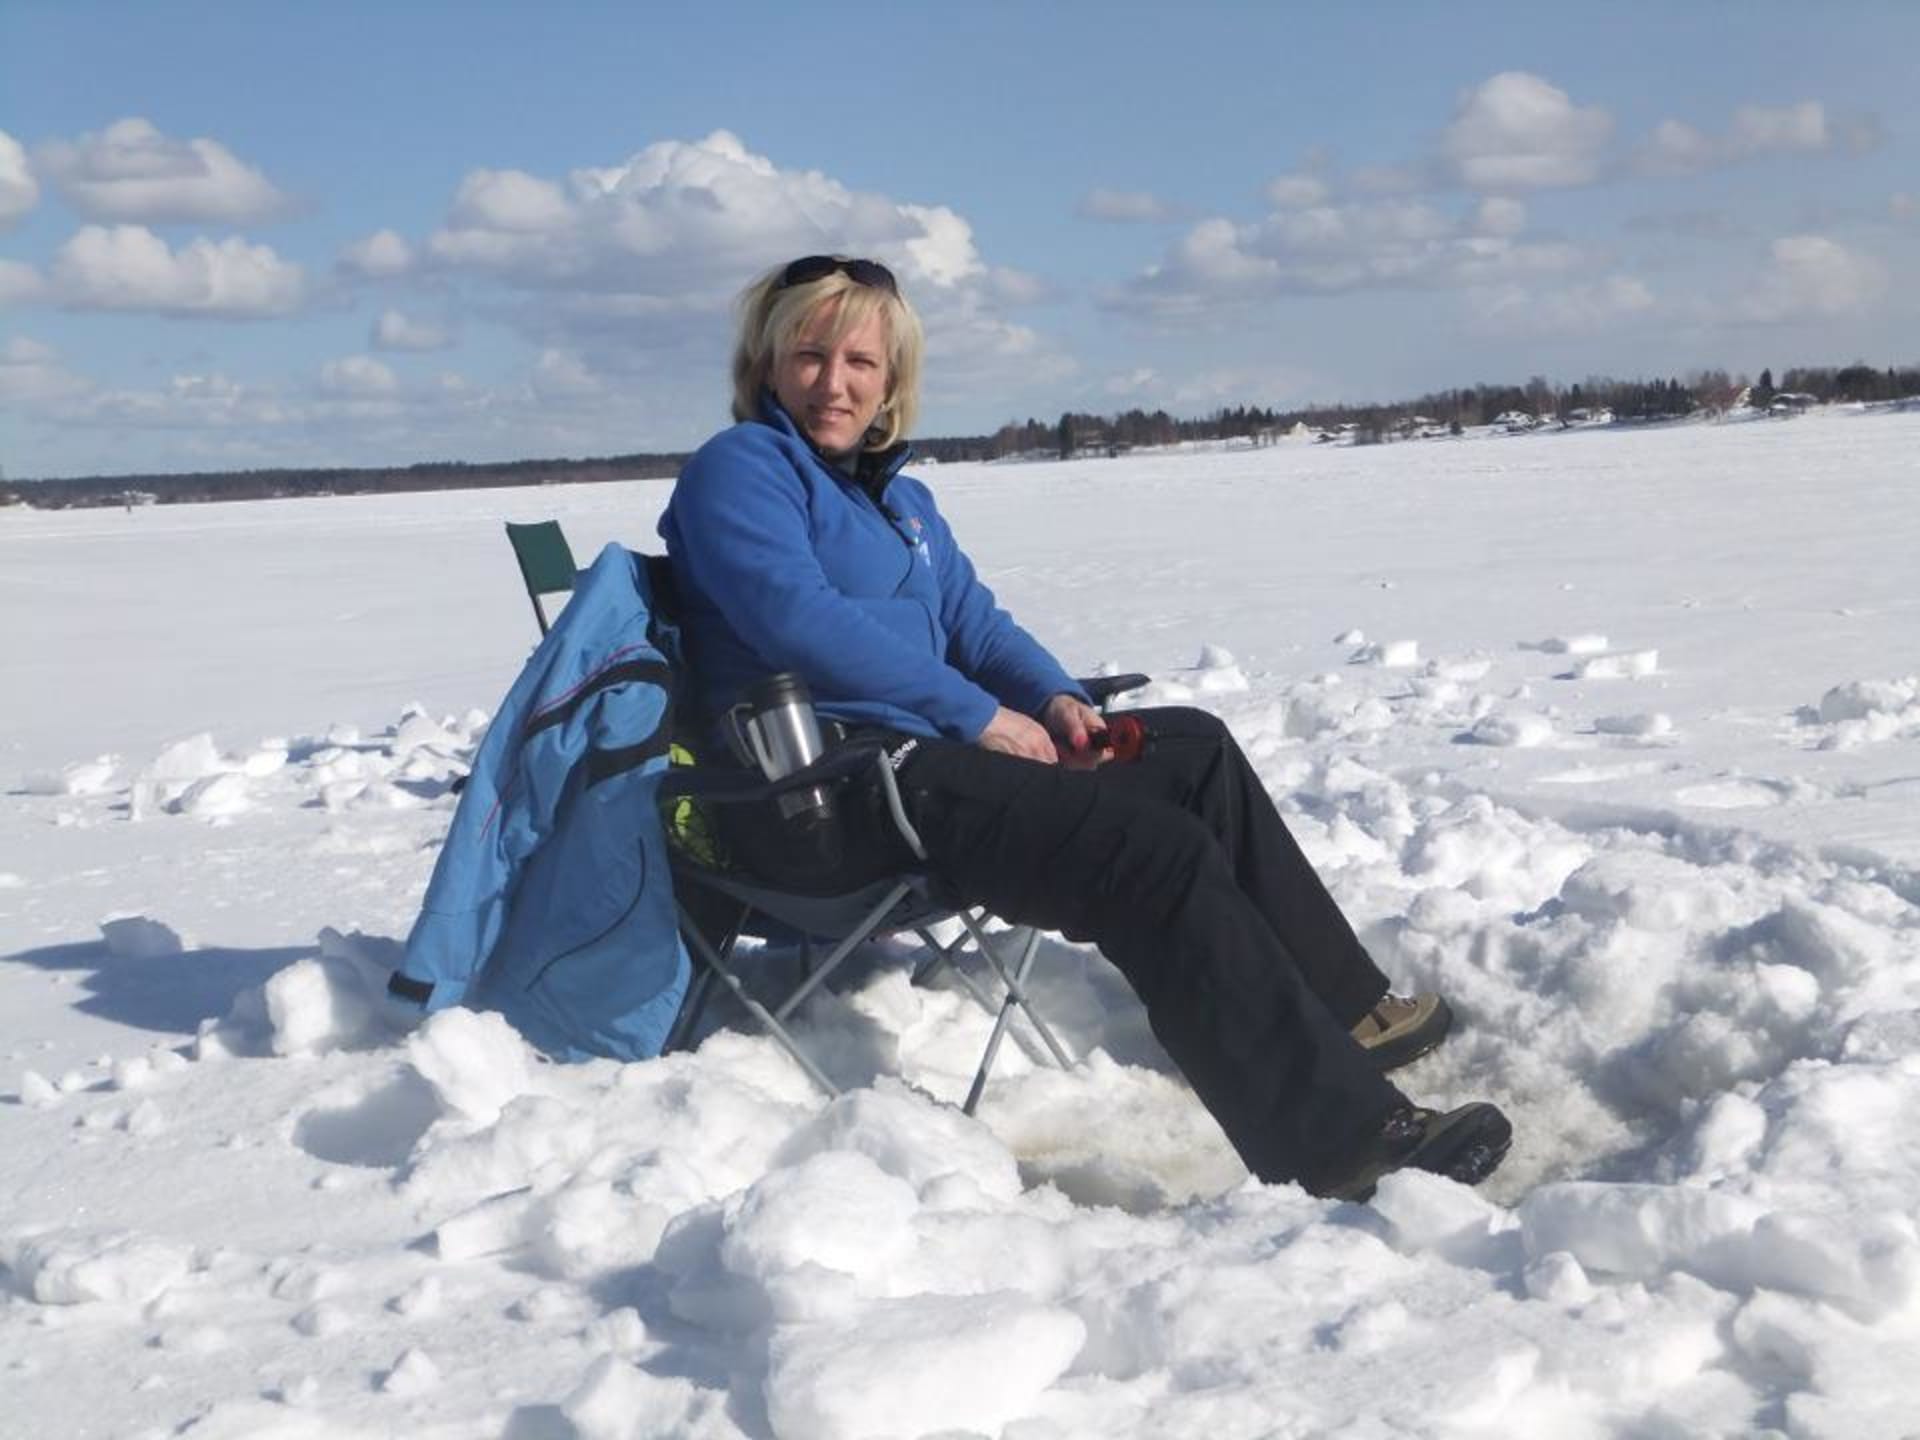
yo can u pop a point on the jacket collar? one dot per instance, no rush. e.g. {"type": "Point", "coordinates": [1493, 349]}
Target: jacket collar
{"type": "Point", "coordinates": [871, 471]}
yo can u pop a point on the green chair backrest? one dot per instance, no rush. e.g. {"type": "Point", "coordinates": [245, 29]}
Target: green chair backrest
{"type": "Point", "coordinates": [546, 562]}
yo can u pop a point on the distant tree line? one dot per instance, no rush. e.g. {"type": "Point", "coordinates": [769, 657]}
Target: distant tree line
{"type": "Point", "coordinates": [287, 483]}
{"type": "Point", "coordinates": [1638, 400]}
{"type": "Point", "coordinates": [1074, 433]}
{"type": "Point", "coordinates": [1847, 384]}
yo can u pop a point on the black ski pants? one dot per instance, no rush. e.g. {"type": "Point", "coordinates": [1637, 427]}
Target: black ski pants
{"type": "Point", "coordinates": [1180, 869]}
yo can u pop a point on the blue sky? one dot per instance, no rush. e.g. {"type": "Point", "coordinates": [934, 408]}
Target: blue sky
{"type": "Point", "coordinates": [265, 234]}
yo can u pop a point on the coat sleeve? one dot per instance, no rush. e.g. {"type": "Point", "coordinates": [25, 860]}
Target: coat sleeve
{"type": "Point", "coordinates": [984, 641]}
{"type": "Point", "coordinates": [741, 519]}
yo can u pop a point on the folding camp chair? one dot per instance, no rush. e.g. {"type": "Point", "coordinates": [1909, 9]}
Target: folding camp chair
{"type": "Point", "coordinates": [912, 900]}
{"type": "Point", "coordinates": [719, 906]}
{"type": "Point", "coordinates": [546, 562]}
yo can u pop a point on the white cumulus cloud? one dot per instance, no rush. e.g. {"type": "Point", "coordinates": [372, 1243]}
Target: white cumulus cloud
{"type": "Point", "coordinates": [1814, 276]}
{"type": "Point", "coordinates": [1363, 244]}
{"type": "Point", "coordinates": [394, 330]}
{"type": "Point", "coordinates": [683, 225]}
{"type": "Point", "coordinates": [1677, 148]}
{"type": "Point", "coordinates": [1218, 254]}
{"type": "Point", "coordinates": [1579, 309]}
{"type": "Point", "coordinates": [511, 201]}
{"type": "Point", "coordinates": [618, 277]}
{"type": "Point", "coordinates": [19, 191]}
{"type": "Point", "coordinates": [1124, 206]}
{"type": "Point", "coordinates": [208, 414]}
{"type": "Point", "coordinates": [1518, 132]}
{"type": "Point", "coordinates": [1781, 128]}
{"type": "Point", "coordinates": [943, 252]}
{"type": "Point", "coordinates": [1755, 132]}
{"type": "Point", "coordinates": [32, 376]}
{"type": "Point", "coordinates": [630, 268]}
{"type": "Point", "coordinates": [128, 267]}
{"type": "Point", "coordinates": [378, 256]}
{"type": "Point", "coordinates": [131, 171]}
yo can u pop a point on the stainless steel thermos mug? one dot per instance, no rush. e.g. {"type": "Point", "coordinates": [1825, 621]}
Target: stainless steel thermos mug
{"type": "Point", "coordinates": [775, 729]}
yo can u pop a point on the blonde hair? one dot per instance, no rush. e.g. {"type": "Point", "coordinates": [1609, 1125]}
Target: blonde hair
{"type": "Point", "coordinates": [772, 317]}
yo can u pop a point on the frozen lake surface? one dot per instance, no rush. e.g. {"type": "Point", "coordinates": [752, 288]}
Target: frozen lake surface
{"type": "Point", "coordinates": [1614, 737]}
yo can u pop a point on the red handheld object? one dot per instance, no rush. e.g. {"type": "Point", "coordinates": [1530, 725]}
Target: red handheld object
{"type": "Point", "coordinates": [1125, 738]}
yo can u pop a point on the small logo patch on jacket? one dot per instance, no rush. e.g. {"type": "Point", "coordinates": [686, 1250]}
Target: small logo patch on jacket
{"type": "Point", "coordinates": [920, 548]}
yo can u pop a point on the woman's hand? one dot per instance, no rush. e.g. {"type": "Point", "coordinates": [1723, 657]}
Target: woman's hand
{"type": "Point", "coordinates": [1012, 733]}
{"type": "Point", "coordinates": [1073, 723]}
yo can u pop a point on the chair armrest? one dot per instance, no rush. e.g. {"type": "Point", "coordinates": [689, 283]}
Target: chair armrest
{"type": "Point", "coordinates": [1102, 688]}
{"type": "Point", "coordinates": [731, 785]}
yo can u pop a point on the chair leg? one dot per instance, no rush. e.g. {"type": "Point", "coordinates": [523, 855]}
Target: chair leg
{"type": "Point", "coordinates": [845, 948]}
{"type": "Point", "coordinates": [944, 957]}
{"type": "Point", "coordinates": [699, 991]}
{"type": "Point", "coordinates": [700, 988]}
{"type": "Point", "coordinates": [718, 967]}
{"type": "Point", "coordinates": [1016, 984]}
{"type": "Point", "coordinates": [1014, 997]}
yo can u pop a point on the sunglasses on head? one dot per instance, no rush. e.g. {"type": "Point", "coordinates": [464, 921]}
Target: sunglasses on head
{"type": "Point", "coordinates": [809, 268]}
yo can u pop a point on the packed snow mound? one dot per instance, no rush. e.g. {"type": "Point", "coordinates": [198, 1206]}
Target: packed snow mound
{"type": "Point", "coordinates": [1643, 725]}
{"type": "Point", "coordinates": [1865, 712]}
{"type": "Point", "coordinates": [1521, 729]}
{"type": "Point", "coordinates": [1391, 654]}
{"type": "Point", "coordinates": [1214, 672]}
{"type": "Point", "coordinates": [70, 1267]}
{"type": "Point", "coordinates": [140, 937]}
{"type": "Point", "coordinates": [1863, 699]}
{"type": "Point", "coordinates": [971, 1363]}
{"type": "Point", "coordinates": [1217, 672]}
{"type": "Point", "coordinates": [405, 766]}
{"type": "Point", "coordinates": [82, 777]}
{"type": "Point", "coordinates": [1627, 665]}
{"type": "Point", "coordinates": [317, 1004]}
{"type": "Point", "coordinates": [332, 1000]}
{"type": "Point", "coordinates": [908, 1139]}
{"type": "Point", "coordinates": [616, 1400]}
{"type": "Point", "coordinates": [475, 1063]}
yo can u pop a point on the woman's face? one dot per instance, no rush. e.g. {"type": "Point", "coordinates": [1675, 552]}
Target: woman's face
{"type": "Point", "coordinates": [833, 389]}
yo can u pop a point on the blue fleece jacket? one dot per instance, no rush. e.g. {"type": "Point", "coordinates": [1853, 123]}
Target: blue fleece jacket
{"type": "Point", "coordinates": [784, 562]}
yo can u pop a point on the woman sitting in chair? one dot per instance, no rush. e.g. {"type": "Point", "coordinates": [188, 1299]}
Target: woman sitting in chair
{"type": "Point", "coordinates": [798, 545]}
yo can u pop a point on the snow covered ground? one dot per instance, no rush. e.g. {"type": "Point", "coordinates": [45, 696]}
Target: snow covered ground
{"type": "Point", "coordinates": [1613, 737]}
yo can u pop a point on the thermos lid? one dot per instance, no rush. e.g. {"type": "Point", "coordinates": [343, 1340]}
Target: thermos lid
{"type": "Point", "coordinates": [777, 692]}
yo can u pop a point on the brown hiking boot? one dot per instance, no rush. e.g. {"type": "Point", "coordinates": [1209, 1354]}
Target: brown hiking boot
{"type": "Point", "coordinates": [1402, 1028]}
{"type": "Point", "coordinates": [1466, 1144]}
